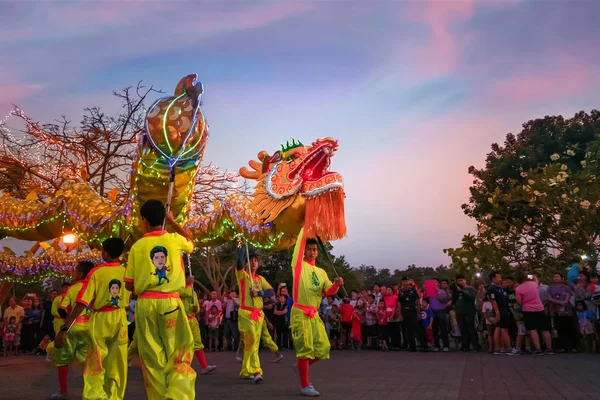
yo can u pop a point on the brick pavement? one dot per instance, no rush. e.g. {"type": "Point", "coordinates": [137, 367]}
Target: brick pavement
{"type": "Point", "coordinates": [355, 375]}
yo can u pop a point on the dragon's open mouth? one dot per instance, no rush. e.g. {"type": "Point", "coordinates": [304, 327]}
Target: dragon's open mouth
{"type": "Point", "coordinates": [316, 164]}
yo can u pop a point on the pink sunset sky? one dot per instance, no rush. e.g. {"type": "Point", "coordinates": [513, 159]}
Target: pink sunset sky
{"type": "Point", "coordinates": [415, 91]}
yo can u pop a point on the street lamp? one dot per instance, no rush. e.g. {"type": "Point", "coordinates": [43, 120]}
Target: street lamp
{"type": "Point", "coordinates": [69, 238]}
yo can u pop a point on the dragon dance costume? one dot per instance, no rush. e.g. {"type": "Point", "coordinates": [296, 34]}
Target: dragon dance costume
{"type": "Point", "coordinates": [251, 318]}
{"type": "Point", "coordinates": [78, 340]}
{"type": "Point", "coordinates": [166, 347]}
{"type": "Point", "coordinates": [106, 366]}
{"type": "Point", "coordinates": [192, 307]}
{"type": "Point", "coordinates": [308, 331]}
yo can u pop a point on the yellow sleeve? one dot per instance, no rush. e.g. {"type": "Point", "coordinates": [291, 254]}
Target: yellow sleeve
{"type": "Point", "coordinates": [130, 270]}
{"type": "Point", "coordinates": [65, 302]}
{"type": "Point", "coordinates": [185, 244]}
{"type": "Point", "coordinates": [55, 305]}
{"type": "Point", "coordinates": [298, 256]}
{"type": "Point", "coordinates": [87, 294]}
{"type": "Point", "coordinates": [184, 293]}
{"type": "Point", "coordinates": [196, 303]}
{"type": "Point", "coordinates": [264, 285]}
{"type": "Point", "coordinates": [327, 284]}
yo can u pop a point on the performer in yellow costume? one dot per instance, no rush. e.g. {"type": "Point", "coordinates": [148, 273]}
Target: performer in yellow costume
{"type": "Point", "coordinates": [251, 319]}
{"type": "Point", "coordinates": [57, 321]}
{"type": "Point", "coordinates": [76, 344]}
{"type": "Point", "coordinates": [192, 307]}
{"type": "Point", "coordinates": [164, 338]}
{"type": "Point", "coordinates": [308, 331]}
{"type": "Point", "coordinates": [105, 373]}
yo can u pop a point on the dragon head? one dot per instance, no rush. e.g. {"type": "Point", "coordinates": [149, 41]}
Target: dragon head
{"type": "Point", "coordinates": [295, 188]}
{"type": "Point", "coordinates": [175, 125]}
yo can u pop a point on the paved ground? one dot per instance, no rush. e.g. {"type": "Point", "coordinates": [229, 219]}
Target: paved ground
{"type": "Point", "coordinates": [355, 375]}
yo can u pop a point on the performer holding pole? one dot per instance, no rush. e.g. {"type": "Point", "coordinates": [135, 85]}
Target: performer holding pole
{"type": "Point", "coordinates": [164, 337]}
{"type": "Point", "coordinates": [103, 291]}
{"type": "Point", "coordinates": [308, 331]}
{"type": "Point", "coordinates": [251, 318]}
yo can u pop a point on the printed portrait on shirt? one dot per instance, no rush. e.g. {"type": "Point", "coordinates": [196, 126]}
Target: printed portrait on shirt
{"type": "Point", "coordinates": [114, 287]}
{"type": "Point", "coordinates": [158, 255]}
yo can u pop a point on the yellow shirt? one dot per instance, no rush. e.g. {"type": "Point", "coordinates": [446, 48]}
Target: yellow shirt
{"type": "Point", "coordinates": [244, 282]}
{"type": "Point", "coordinates": [155, 263]}
{"type": "Point", "coordinates": [190, 301]}
{"type": "Point", "coordinates": [68, 302]}
{"type": "Point", "coordinates": [310, 281]}
{"type": "Point", "coordinates": [104, 288]}
{"type": "Point", "coordinates": [18, 312]}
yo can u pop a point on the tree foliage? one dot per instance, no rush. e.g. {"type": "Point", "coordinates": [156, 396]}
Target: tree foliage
{"type": "Point", "coordinates": [537, 200]}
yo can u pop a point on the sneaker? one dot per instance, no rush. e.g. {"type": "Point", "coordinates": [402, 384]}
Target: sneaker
{"type": "Point", "coordinates": [436, 349]}
{"type": "Point", "coordinates": [278, 358]}
{"type": "Point", "coordinates": [208, 369]}
{"type": "Point", "coordinates": [257, 379]}
{"type": "Point", "coordinates": [48, 358]}
{"type": "Point", "coordinates": [445, 349]}
{"type": "Point", "coordinates": [538, 353]}
{"type": "Point", "coordinates": [59, 396]}
{"type": "Point", "coordinates": [499, 352]}
{"type": "Point", "coordinates": [239, 359]}
{"type": "Point", "coordinates": [514, 352]}
{"type": "Point", "coordinates": [549, 352]}
{"type": "Point", "coordinates": [309, 391]}
{"type": "Point", "coordinates": [130, 363]}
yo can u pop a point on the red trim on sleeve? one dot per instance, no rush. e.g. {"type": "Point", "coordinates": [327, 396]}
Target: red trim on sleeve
{"type": "Point", "coordinates": [332, 290]}
{"type": "Point", "coordinates": [84, 285]}
{"type": "Point", "coordinates": [112, 264]}
{"type": "Point", "coordinates": [128, 280]}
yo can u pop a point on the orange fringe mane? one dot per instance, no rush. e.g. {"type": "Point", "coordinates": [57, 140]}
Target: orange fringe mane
{"type": "Point", "coordinates": [324, 216]}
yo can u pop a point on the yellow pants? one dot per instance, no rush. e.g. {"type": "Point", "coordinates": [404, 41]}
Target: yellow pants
{"type": "Point", "coordinates": [309, 336]}
{"type": "Point", "coordinates": [106, 364]}
{"type": "Point", "coordinates": [165, 345]}
{"type": "Point", "coordinates": [252, 332]}
{"type": "Point", "coordinates": [195, 327]}
{"type": "Point", "coordinates": [76, 345]}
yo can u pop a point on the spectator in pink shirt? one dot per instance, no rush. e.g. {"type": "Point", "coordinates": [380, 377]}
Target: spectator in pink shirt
{"type": "Point", "coordinates": [533, 310]}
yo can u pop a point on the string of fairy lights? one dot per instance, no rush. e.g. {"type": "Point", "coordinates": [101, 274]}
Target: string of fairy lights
{"type": "Point", "coordinates": [227, 218]}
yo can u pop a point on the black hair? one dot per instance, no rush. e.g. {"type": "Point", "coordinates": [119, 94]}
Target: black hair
{"type": "Point", "coordinates": [154, 212]}
{"type": "Point", "coordinates": [560, 274]}
{"type": "Point", "coordinates": [405, 278]}
{"type": "Point", "coordinates": [460, 276]}
{"type": "Point", "coordinates": [445, 280]}
{"type": "Point", "coordinates": [311, 241]}
{"type": "Point", "coordinates": [425, 299]}
{"type": "Point", "coordinates": [112, 282]}
{"type": "Point", "coordinates": [11, 318]}
{"type": "Point", "coordinates": [493, 274]}
{"type": "Point", "coordinates": [372, 296]}
{"type": "Point", "coordinates": [84, 267]}
{"type": "Point", "coordinates": [376, 284]}
{"type": "Point", "coordinates": [509, 278]}
{"type": "Point", "coordinates": [158, 249]}
{"type": "Point", "coordinates": [576, 260]}
{"type": "Point", "coordinates": [254, 255]}
{"type": "Point", "coordinates": [581, 302]}
{"type": "Point", "coordinates": [113, 247]}
{"type": "Point", "coordinates": [65, 284]}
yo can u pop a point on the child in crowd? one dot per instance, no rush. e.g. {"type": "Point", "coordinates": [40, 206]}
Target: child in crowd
{"type": "Point", "coordinates": [586, 325]}
{"type": "Point", "coordinates": [334, 324]}
{"type": "Point", "coordinates": [426, 323]}
{"type": "Point", "coordinates": [213, 328]}
{"type": "Point", "coordinates": [371, 321]}
{"type": "Point", "coordinates": [356, 333]}
{"type": "Point", "coordinates": [490, 322]}
{"type": "Point", "coordinates": [10, 333]}
{"type": "Point", "coordinates": [382, 326]}
{"type": "Point", "coordinates": [455, 329]}
{"type": "Point", "coordinates": [41, 349]}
